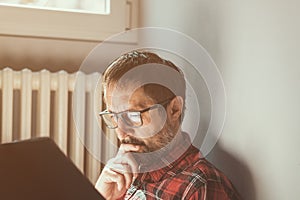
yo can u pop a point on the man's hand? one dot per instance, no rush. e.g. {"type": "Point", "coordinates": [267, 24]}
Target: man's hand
{"type": "Point", "coordinates": [119, 173]}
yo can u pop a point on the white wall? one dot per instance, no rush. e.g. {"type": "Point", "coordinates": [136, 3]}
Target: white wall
{"type": "Point", "coordinates": [40, 53]}
{"type": "Point", "coordinates": [256, 47]}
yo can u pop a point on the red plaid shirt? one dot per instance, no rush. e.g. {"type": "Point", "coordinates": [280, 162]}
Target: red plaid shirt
{"type": "Point", "coordinates": [189, 177]}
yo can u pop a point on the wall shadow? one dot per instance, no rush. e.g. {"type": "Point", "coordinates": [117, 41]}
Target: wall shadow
{"type": "Point", "coordinates": [235, 169]}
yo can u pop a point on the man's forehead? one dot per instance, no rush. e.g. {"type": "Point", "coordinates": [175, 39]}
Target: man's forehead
{"type": "Point", "coordinates": [121, 100]}
{"type": "Point", "coordinates": [117, 102]}
{"type": "Point", "coordinates": [120, 93]}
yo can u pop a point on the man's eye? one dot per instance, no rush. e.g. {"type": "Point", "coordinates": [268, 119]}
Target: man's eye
{"type": "Point", "coordinates": [133, 116]}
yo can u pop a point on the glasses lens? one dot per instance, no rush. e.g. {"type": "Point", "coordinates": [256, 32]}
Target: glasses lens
{"type": "Point", "coordinates": [132, 119]}
{"type": "Point", "coordinates": [110, 120]}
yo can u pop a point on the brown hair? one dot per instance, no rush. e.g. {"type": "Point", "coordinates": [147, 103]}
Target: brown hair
{"type": "Point", "coordinates": [119, 67]}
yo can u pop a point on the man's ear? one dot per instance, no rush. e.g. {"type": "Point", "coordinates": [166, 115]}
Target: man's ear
{"type": "Point", "coordinates": [174, 108]}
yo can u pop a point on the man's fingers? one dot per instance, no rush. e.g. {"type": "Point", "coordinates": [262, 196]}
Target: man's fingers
{"type": "Point", "coordinates": [124, 148]}
{"type": "Point", "coordinates": [127, 159]}
{"type": "Point", "coordinates": [124, 164]}
{"type": "Point", "coordinates": [124, 170]}
{"type": "Point", "coordinates": [115, 177]}
{"type": "Point", "coordinates": [127, 176]}
{"type": "Point", "coordinates": [120, 168]}
{"type": "Point", "coordinates": [124, 153]}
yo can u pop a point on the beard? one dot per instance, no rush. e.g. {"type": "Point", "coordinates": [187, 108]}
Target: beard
{"type": "Point", "coordinates": [154, 150]}
{"type": "Point", "coordinates": [132, 140]}
{"type": "Point", "coordinates": [153, 143]}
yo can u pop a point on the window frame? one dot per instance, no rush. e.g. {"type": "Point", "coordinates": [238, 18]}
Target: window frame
{"type": "Point", "coordinates": [32, 22]}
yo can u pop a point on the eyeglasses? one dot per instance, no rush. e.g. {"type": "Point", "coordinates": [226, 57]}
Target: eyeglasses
{"type": "Point", "coordinates": [130, 118]}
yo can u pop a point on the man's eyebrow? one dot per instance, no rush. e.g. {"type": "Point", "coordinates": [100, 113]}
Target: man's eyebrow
{"type": "Point", "coordinates": [109, 110]}
{"type": "Point", "coordinates": [140, 107]}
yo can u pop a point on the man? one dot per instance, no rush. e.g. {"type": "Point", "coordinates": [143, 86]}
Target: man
{"type": "Point", "coordinates": [145, 97]}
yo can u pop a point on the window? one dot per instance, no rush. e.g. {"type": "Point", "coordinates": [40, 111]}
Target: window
{"type": "Point", "coordinates": [85, 6]}
{"type": "Point", "coordinates": [80, 20]}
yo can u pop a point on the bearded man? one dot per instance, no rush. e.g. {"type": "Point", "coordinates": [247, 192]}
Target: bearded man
{"type": "Point", "coordinates": [145, 98]}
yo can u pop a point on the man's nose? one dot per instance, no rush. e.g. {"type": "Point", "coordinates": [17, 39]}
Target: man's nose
{"type": "Point", "coordinates": [123, 129]}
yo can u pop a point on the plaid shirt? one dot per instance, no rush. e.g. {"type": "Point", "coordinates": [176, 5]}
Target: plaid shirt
{"type": "Point", "coordinates": [190, 177]}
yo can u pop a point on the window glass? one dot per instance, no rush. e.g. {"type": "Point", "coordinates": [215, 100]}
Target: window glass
{"type": "Point", "coordinates": [85, 6]}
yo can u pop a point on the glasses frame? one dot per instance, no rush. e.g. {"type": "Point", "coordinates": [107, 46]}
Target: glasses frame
{"type": "Point", "coordinates": [119, 114]}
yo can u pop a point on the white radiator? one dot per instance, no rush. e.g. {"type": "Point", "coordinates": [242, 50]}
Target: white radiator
{"type": "Point", "coordinates": [35, 104]}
